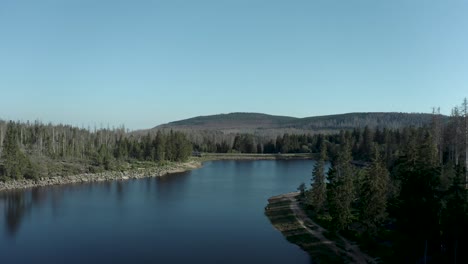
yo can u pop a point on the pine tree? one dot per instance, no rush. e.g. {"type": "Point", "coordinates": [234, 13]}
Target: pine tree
{"type": "Point", "coordinates": [171, 148]}
{"type": "Point", "coordinates": [366, 146]}
{"type": "Point", "coordinates": [455, 212]}
{"type": "Point", "coordinates": [160, 144]}
{"type": "Point", "coordinates": [374, 193]}
{"type": "Point", "coordinates": [318, 193]}
{"type": "Point", "coordinates": [419, 202]}
{"type": "Point", "coordinates": [341, 189]}
{"type": "Point", "coordinates": [465, 138]}
{"type": "Point", "coordinates": [14, 160]}
{"type": "Point", "coordinates": [183, 148]}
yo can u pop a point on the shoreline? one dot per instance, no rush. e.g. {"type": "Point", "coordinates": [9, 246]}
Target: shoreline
{"type": "Point", "coordinates": [139, 173]}
{"type": "Point", "coordinates": [240, 156]}
{"type": "Point", "coordinates": [287, 216]}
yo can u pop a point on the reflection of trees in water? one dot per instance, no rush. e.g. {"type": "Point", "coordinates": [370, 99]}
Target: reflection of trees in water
{"type": "Point", "coordinates": [17, 204]}
{"type": "Point", "coordinates": [107, 186]}
{"type": "Point", "coordinates": [148, 184]}
{"type": "Point", "coordinates": [171, 187]}
{"type": "Point", "coordinates": [120, 191]}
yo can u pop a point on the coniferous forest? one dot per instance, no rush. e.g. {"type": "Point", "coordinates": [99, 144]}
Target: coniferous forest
{"type": "Point", "coordinates": [401, 194]}
{"type": "Point", "coordinates": [34, 150]}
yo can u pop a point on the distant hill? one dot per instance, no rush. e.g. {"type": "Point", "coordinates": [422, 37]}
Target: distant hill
{"type": "Point", "coordinates": [232, 121]}
{"type": "Point", "coordinates": [269, 124]}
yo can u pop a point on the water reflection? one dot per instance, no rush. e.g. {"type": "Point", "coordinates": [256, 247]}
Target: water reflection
{"type": "Point", "coordinates": [170, 188]}
{"type": "Point", "coordinates": [15, 209]}
{"type": "Point", "coordinates": [18, 204]}
{"type": "Point", "coordinates": [119, 190]}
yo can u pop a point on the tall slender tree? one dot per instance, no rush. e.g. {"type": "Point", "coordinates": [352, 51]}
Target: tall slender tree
{"type": "Point", "coordinates": [14, 159]}
{"type": "Point", "coordinates": [340, 190]}
{"type": "Point", "coordinates": [374, 193]}
{"type": "Point", "coordinates": [465, 132]}
{"type": "Point", "coordinates": [318, 193]}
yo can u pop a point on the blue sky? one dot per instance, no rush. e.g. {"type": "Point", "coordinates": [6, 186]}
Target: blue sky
{"type": "Point", "coordinates": [142, 63]}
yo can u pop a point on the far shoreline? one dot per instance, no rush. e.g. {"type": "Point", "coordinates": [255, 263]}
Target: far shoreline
{"type": "Point", "coordinates": [159, 170]}
{"type": "Point", "coordinates": [138, 173]}
{"type": "Point", "coordinates": [253, 156]}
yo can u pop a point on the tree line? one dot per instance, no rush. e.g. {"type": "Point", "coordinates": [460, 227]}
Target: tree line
{"type": "Point", "coordinates": [362, 138]}
{"type": "Point", "coordinates": [251, 143]}
{"type": "Point", "coordinates": [401, 193]}
{"type": "Point", "coordinates": [31, 150]}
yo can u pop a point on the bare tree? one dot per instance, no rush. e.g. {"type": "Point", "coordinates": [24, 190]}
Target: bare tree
{"type": "Point", "coordinates": [437, 130]}
{"type": "Point", "coordinates": [2, 135]}
{"type": "Point", "coordinates": [465, 127]}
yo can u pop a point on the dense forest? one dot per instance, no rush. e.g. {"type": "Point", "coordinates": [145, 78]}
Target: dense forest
{"type": "Point", "coordinates": [33, 150]}
{"type": "Point", "coordinates": [304, 141]}
{"type": "Point", "coordinates": [402, 194]}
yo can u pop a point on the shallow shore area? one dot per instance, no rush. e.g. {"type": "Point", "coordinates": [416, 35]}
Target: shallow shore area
{"type": "Point", "coordinates": [138, 173]}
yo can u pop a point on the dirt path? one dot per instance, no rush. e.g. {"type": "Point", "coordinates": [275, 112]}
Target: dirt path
{"type": "Point", "coordinates": [348, 249]}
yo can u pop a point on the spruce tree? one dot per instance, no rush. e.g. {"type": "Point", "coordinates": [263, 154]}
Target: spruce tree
{"type": "Point", "coordinates": [374, 193]}
{"type": "Point", "coordinates": [418, 204]}
{"type": "Point", "coordinates": [160, 145]}
{"type": "Point", "coordinates": [15, 162]}
{"type": "Point", "coordinates": [341, 189]}
{"type": "Point", "coordinates": [455, 213]}
{"type": "Point", "coordinates": [318, 193]}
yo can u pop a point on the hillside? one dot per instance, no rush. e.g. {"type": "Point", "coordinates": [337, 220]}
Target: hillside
{"type": "Point", "coordinates": [270, 124]}
{"type": "Point", "coordinates": [232, 121]}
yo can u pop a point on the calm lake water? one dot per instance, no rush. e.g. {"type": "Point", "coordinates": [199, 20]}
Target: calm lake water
{"type": "Point", "coordinates": [214, 214]}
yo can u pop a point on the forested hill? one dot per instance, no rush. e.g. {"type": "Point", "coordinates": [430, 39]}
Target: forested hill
{"type": "Point", "coordinates": [256, 122]}
{"type": "Point", "coordinates": [233, 120]}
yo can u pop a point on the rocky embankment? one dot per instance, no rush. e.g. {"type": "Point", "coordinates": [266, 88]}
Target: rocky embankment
{"type": "Point", "coordinates": [103, 176]}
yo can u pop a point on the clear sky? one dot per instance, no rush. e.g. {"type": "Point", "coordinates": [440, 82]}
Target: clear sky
{"type": "Point", "coordinates": [143, 63]}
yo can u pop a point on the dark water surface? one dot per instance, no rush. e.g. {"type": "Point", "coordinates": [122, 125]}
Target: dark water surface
{"type": "Point", "coordinates": [210, 215]}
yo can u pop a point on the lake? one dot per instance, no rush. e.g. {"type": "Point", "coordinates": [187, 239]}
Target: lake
{"type": "Point", "coordinates": [214, 214]}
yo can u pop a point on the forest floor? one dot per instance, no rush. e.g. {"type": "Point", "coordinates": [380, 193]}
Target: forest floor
{"type": "Point", "coordinates": [286, 214]}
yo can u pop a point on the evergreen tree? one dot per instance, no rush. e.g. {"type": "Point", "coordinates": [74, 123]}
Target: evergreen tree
{"type": "Point", "coordinates": [160, 144]}
{"type": "Point", "coordinates": [340, 191]}
{"type": "Point", "coordinates": [147, 146]}
{"type": "Point", "coordinates": [14, 159]}
{"type": "Point", "coordinates": [419, 203]}
{"type": "Point", "coordinates": [318, 193]}
{"type": "Point", "coordinates": [374, 193]}
{"type": "Point", "coordinates": [367, 142]}
{"type": "Point", "coordinates": [454, 217]}
{"type": "Point", "coordinates": [183, 148]}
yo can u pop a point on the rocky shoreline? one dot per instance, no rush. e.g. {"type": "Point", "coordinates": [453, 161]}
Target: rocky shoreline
{"type": "Point", "coordinates": [103, 176]}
